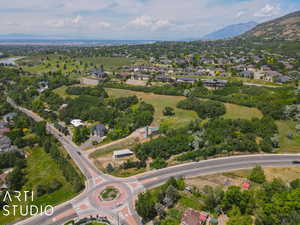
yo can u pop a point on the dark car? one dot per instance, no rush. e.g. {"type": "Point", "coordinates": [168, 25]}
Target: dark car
{"type": "Point", "coordinates": [296, 162]}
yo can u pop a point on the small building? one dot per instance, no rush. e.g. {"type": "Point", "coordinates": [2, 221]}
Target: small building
{"type": "Point", "coordinates": [99, 130]}
{"type": "Point", "coordinates": [77, 123]}
{"type": "Point", "coordinates": [194, 217]}
{"type": "Point", "coordinates": [151, 131]}
{"type": "Point", "coordinates": [122, 153]}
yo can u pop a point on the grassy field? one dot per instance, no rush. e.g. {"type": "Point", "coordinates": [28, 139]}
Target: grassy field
{"type": "Point", "coordinates": [41, 169]}
{"type": "Point", "coordinates": [182, 117]}
{"type": "Point", "coordinates": [287, 174]}
{"type": "Point", "coordinates": [62, 92]}
{"type": "Point", "coordinates": [288, 145]}
{"type": "Point", "coordinates": [67, 65]}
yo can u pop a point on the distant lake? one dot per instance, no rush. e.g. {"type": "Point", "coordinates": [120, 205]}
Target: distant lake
{"type": "Point", "coordinates": [10, 61]}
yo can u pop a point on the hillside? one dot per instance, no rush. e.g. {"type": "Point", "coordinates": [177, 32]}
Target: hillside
{"type": "Point", "coordinates": [283, 28]}
{"type": "Point", "coordinates": [230, 31]}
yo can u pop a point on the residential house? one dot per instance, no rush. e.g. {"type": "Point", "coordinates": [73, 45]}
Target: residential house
{"type": "Point", "coordinates": [265, 68]}
{"type": "Point", "coordinates": [99, 130]}
{"type": "Point", "coordinates": [240, 68]}
{"type": "Point", "coordinates": [193, 217]}
{"type": "Point", "coordinates": [247, 74]}
{"type": "Point", "coordinates": [251, 68]}
{"type": "Point", "coordinates": [283, 79]}
{"type": "Point", "coordinates": [214, 83]}
{"type": "Point", "coordinates": [163, 78]}
{"type": "Point", "coordinates": [99, 73]}
{"type": "Point", "coordinates": [124, 76]}
{"type": "Point", "coordinates": [271, 75]}
{"type": "Point", "coordinates": [141, 77]}
{"type": "Point", "coordinates": [6, 144]}
{"type": "Point", "coordinates": [186, 80]}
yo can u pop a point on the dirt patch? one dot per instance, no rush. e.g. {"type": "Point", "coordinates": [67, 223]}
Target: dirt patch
{"type": "Point", "coordinates": [136, 82]}
{"type": "Point", "coordinates": [217, 180]}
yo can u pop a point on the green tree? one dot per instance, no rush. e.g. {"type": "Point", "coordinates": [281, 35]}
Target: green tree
{"type": "Point", "coordinates": [295, 184]}
{"type": "Point", "coordinates": [145, 206]}
{"type": "Point", "coordinates": [257, 175]}
{"type": "Point", "coordinates": [235, 217]}
{"type": "Point", "coordinates": [168, 111]}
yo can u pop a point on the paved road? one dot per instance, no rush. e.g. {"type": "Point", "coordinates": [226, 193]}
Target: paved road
{"type": "Point", "coordinates": [122, 209]}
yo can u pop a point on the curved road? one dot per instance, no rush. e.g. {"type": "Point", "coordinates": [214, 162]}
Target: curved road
{"type": "Point", "coordinates": [121, 210]}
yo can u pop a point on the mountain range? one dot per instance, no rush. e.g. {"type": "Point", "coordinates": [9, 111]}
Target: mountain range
{"type": "Point", "coordinates": [230, 31]}
{"type": "Point", "coordinates": [283, 28]}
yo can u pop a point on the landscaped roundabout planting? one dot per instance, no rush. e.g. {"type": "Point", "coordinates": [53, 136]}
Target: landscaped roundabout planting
{"type": "Point", "coordinates": [109, 194]}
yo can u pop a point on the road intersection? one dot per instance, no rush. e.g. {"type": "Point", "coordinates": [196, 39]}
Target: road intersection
{"type": "Point", "coordinates": [121, 210]}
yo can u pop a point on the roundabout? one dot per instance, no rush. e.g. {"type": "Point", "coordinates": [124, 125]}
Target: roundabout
{"type": "Point", "coordinates": [109, 194]}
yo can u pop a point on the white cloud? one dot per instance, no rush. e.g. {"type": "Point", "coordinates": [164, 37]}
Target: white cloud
{"type": "Point", "coordinates": [134, 18]}
{"type": "Point", "coordinates": [149, 23]}
{"type": "Point", "coordinates": [141, 21]}
{"type": "Point", "coordinates": [103, 24]}
{"type": "Point", "coordinates": [268, 10]}
{"type": "Point", "coordinates": [58, 23]}
{"type": "Point", "coordinates": [76, 20]}
{"type": "Point", "coordinates": [239, 14]}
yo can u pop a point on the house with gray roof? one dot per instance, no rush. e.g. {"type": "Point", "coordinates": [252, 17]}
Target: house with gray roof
{"type": "Point", "coordinates": [99, 130]}
{"type": "Point", "coordinates": [6, 145]}
{"type": "Point", "coordinates": [99, 73]}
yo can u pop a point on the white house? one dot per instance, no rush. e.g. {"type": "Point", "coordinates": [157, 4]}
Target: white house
{"type": "Point", "coordinates": [76, 123]}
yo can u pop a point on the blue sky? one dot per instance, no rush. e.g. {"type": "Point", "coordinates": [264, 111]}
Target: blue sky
{"type": "Point", "coordinates": [135, 19]}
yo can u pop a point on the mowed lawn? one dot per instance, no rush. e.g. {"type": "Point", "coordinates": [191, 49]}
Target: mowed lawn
{"type": "Point", "coordinates": [66, 64]}
{"type": "Point", "coordinates": [181, 117]}
{"type": "Point", "coordinates": [41, 169]}
{"type": "Point", "coordinates": [62, 92]}
{"type": "Point", "coordinates": [288, 145]}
